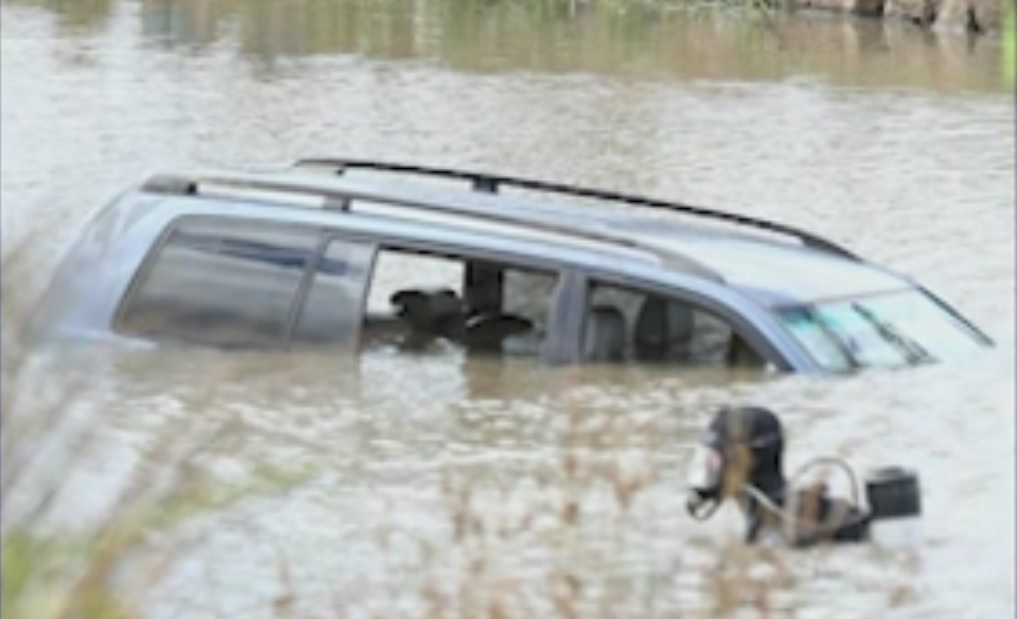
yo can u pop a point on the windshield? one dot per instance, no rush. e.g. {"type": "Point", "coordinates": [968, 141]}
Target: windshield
{"type": "Point", "coordinates": [886, 330]}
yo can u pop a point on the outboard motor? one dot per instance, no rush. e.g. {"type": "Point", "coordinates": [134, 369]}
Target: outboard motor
{"type": "Point", "coordinates": [741, 457]}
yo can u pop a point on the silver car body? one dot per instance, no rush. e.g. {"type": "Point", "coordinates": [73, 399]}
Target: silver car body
{"type": "Point", "coordinates": [742, 269]}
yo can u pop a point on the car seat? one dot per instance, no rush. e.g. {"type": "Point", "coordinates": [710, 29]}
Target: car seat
{"type": "Point", "coordinates": [604, 338]}
{"type": "Point", "coordinates": [437, 313]}
{"type": "Point", "coordinates": [663, 330]}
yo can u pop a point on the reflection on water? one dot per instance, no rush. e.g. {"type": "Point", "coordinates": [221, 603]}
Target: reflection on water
{"type": "Point", "coordinates": [692, 41]}
{"type": "Point", "coordinates": [532, 491]}
{"type": "Point", "coordinates": [74, 16]}
{"type": "Point", "coordinates": [408, 485]}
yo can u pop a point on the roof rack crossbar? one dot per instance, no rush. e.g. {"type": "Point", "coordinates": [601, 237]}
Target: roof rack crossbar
{"type": "Point", "coordinates": [491, 182]}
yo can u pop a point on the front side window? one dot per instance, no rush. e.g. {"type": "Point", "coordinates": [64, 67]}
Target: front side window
{"type": "Point", "coordinates": [628, 324]}
{"type": "Point", "coordinates": [888, 330]}
{"type": "Point", "coordinates": [221, 283]}
{"type": "Point", "coordinates": [420, 300]}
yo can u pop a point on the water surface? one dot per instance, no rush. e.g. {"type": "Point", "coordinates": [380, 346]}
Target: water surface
{"type": "Point", "coordinates": [461, 488]}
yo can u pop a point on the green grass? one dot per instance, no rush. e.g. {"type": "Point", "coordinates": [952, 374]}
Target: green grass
{"type": "Point", "coordinates": [1009, 45]}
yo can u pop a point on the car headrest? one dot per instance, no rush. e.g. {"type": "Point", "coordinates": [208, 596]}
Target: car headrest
{"type": "Point", "coordinates": [662, 328]}
{"type": "Point", "coordinates": [604, 339]}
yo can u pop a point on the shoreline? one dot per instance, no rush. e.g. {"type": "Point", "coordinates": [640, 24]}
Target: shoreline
{"type": "Point", "coordinates": [957, 16]}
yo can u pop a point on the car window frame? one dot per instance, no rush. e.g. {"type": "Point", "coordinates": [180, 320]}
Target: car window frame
{"type": "Point", "coordinates": [566, 319]}
{"type": "Point", "coordinates": [554, 349]}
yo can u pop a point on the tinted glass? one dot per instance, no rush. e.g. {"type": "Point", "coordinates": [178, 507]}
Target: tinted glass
{"type": "Point", "coordinates": [334, 307]}
{"type": "Point", "coordinates": [221, 282]}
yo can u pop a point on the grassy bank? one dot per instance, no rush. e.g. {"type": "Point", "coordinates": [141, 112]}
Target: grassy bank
{"type": "Point", "coordinates": [1010, 44]}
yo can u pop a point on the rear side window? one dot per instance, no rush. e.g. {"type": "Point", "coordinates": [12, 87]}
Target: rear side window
{"type": "Point", "coordinates": [221, 283]}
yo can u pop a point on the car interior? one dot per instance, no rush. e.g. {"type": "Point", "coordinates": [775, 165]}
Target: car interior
{"type": "Point", "coordinates": [625, 325]}
{"type": "Point", "coordinates": [417, 299]}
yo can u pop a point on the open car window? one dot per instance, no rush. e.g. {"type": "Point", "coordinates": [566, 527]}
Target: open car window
{"type": "Point", "coordinates": [423, 300]}
{"type": "Point", "coordinates": [887, 330]}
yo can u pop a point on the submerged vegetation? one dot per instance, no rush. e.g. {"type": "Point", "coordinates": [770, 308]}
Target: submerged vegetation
{"type": "Point", "coordinates": [51, 571]}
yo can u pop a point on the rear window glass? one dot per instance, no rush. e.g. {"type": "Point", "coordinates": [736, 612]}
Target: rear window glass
{"type": "Point", "coordinates": [221, 283]}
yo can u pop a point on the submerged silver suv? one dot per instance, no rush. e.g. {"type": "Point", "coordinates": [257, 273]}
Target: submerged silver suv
{"type": "Point", "coordinates": [361, 254]}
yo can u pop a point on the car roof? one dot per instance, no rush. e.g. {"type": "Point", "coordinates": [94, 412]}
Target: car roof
{"type": "Point", "coordinates": [743, 252]}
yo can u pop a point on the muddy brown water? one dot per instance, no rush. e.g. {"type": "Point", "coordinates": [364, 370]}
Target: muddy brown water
{"type": "Point", "coordinates": [438, 484]}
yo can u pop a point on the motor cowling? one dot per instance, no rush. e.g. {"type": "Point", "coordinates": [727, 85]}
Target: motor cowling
{"type": "Point", "coordinates": [894, 500]}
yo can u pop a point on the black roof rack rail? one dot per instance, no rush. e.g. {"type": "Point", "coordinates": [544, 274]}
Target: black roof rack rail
{"type": "Point", "coordinates": [490, 183]}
